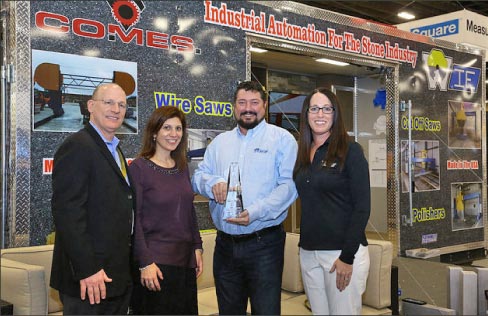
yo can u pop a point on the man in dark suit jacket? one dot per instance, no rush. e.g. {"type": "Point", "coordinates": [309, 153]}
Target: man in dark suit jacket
{"type": "Point", "coordinates": [92, 206]}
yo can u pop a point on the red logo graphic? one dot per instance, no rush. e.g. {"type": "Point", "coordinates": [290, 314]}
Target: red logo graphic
{"type": "Point", "coordinates": [126, 12]}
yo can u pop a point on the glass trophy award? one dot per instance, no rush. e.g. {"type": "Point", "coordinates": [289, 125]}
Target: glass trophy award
{"type": "Point", "coordinates": [233, 201]}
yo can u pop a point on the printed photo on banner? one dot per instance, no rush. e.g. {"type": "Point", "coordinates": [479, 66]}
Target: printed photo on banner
{"type": "Point", "coordinates": [466, 205]}
{"type": "Point", "coordinates": [198, 140]}
{"type": "Point", "coordinates": [63, 83]}
{"type": "Point", "coordinates": [423, 156]}
{"type": "Point", "coordinates": [464, 125]}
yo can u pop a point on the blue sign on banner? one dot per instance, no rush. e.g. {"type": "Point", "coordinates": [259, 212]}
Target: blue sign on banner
{"type": "Point", "coordinates": [464, 78]}
{"type": "Point", "coordinates": [438, 30]}
{"type": "Point", "coordinates": [429, 238]}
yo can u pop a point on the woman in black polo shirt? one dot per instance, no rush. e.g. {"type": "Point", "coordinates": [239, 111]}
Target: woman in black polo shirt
{"type": "Point", "coordinates": [332, 178]}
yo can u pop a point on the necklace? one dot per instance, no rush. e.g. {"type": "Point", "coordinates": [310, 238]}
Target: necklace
{"type": "Point", "coordinates": [163, 170]}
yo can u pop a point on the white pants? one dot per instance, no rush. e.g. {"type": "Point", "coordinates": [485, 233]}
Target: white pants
{"type": "Point", "coordinates": [320, 284]}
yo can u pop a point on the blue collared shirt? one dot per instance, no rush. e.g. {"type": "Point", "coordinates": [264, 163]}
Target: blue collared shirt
{"type": "Point", "coordinates": [266, 157]}
{"type": "Point", "coordinates": [111, 145]}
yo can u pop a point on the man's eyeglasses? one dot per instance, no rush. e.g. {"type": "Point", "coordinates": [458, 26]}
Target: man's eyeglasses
{"type": "Point", "coordinates": [111, 103]}
{"type": "Point", "coordinates": [325, 109]}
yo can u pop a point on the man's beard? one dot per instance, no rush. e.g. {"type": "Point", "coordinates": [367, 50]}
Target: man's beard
{"type": "Point", "coordinates": [249, 125]}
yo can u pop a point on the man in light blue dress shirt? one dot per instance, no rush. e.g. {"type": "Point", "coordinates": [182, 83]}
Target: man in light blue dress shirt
{"type": "Point", "coordinates": [249, 250]}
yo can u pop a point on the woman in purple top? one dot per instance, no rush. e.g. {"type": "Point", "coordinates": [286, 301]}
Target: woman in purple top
{"type": "Point", "coordinates": [167, 242]}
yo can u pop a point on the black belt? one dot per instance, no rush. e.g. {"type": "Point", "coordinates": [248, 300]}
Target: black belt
{"type": "Point", "coordinates": [247, 237]}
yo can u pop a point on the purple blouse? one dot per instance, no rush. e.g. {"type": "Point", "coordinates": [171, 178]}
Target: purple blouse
{"type": "Point", "coordinates": [166, 228]}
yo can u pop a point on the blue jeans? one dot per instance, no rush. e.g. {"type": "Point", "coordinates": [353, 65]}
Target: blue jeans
{"type": "Point", "coordinates": [250, 269]}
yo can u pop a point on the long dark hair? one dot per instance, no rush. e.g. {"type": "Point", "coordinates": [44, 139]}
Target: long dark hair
{"type": "Point", "coordinates": [154, 124]}
{"type": "Point", "coordinates": [338, 138]}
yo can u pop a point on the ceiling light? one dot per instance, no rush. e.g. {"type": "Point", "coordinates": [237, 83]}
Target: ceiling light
{"type": "Point", "coordinates": [332, 62]}
{"type": "Point", "coordinates": [405, 15]}
{"type": "Point", "coordinates": [257, 50]}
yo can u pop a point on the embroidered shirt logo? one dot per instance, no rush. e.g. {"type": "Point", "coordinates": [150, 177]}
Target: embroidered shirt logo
{"type": "Point", "coordinates": [324, 164]}
{"type": "Point", "coordinates": [260, 151]}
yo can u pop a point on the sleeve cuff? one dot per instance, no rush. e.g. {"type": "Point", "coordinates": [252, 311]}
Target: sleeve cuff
{"type": "Point", "coordinates": [253, 214]}
{"type": "Point", "coordinates": [210, 185]}
{"type": "Point", "coordinates": [347, 258]}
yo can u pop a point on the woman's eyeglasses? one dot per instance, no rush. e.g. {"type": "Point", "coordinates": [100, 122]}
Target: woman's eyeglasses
{"type": "Point", "coordinates": [325, 109]}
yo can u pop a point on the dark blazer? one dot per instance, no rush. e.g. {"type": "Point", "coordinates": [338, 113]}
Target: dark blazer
{"type": "Point", "coordinates": [92, 206]}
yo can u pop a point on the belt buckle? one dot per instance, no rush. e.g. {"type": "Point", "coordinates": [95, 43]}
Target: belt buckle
{"type": "Point", "coordinates": [243, 237]}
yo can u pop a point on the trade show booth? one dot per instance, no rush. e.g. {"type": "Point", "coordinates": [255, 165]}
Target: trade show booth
{"type": "Point", "coordinates": [415, 103]}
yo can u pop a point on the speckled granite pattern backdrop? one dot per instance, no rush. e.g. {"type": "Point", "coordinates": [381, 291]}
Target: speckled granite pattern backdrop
{"type": "Point", "coordinates": [223, 64]}
{"type": "Point", "coordinates": [214, 74]}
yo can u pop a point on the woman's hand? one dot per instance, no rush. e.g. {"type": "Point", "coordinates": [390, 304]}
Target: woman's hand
{"type": "Point", "coordinates": [199, 257]}
{"type": "Point", "coordinates": [343, 274]}
{"type": "Point", "coordinates": [150, 276]}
